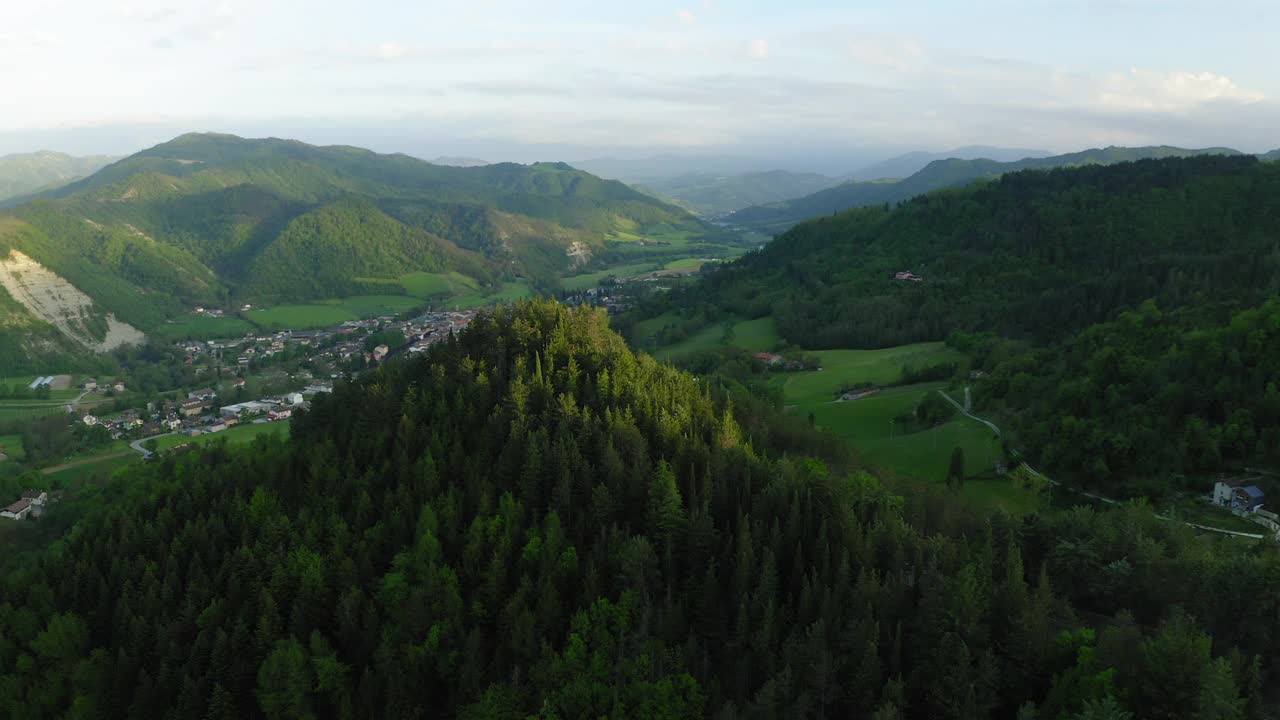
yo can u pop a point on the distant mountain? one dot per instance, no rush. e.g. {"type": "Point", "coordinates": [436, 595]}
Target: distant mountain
{"type": "Point", "coordinates": [715, 194]}
{"type": "Point", "coordinates": [1272, 156]}
{"type": "Point", "coordinates": [210, 218]}
{"type": "Point", "coordinates": [777, 217]}
{"type": "Point", "coordinates": [643, 170]}
{"type": "Point", "coordinates": [454, 161]}
{"type": "Point", "coordinates": [31, 172]}
{"type": "Point", "coordinates": [910, 163]}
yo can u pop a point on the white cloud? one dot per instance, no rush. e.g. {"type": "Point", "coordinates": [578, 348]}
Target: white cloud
{"type": "Point", "coordinates": [758, 49]}
{"type": "Point", "coordinates": [1173, 91]}
{"type": "Point", "coordinates": [686, 17]}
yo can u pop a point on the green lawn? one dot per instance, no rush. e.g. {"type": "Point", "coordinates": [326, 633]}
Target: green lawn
{"type": "Point", "coordinates": [1193, 510]}
{"type": "Point", "coordinates": [760, 335]}
{"type": "Point", "coordinates": [202, 327]}
{"type": "Point", "coordinates": [237, 435]}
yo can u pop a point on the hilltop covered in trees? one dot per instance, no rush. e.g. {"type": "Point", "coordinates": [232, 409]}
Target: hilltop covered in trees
{"type": "Point", "coordinates": [531, 521]}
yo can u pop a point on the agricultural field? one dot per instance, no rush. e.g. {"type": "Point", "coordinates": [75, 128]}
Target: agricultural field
{"type": "Point", "coordinates": [80, 473]}
{"type": "Point", "coordinates": [331, 312]}
{"type": "Point", "coordinates": [847, 367]}
{"type": "Point", "coordinates": [11, 411]}
{"type": "Point", "coordinates": [237, 435]}
{"type": "Point", "coordinates": [202, 327]}
{"type": "Point", "coordinates": [593, 279]}
{"type": "Point", "coordinates": [510, 292]}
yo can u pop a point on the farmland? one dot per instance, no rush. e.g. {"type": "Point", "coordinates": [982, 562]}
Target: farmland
{"type": "Point", "coordinates": [237, 435]}
{"type": "Point", "coordinates": [331, 312]}
{"type": "Point", "coordinates": [202, 327]}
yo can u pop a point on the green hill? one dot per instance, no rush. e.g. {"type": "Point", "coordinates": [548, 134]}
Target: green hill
{"type": "Point", "coordinates": [1125, 314]}
{"type": "Point", "coordinates": [716, 194]}
{"type": "Point", "coordinates": [533, 522]}
{"type": "Point", "coordinates": [29, 173]}
{"type": "Point", "coordinates": [217, 219]}
{"type": "Point", "coordinates": [777, 217]}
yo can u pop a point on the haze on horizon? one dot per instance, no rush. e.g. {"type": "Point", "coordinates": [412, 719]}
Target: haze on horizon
{"type": "Point", "coordinates": [805, 85]}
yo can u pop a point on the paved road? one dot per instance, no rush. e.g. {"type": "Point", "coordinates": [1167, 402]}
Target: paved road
{"type": "Point", "coordinates": [1099, 498]}
{"type": "Point", "coordinates": [137, 444]}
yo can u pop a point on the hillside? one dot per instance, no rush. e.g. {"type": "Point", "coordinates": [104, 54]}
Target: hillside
{"type": "Point", "coordinates": [908, 164]}
{"type": "Point", "coordinates": [1125, 314]}
{"type": "Point", "coordinates": [28, 173]}
{"type": "Point", "coordinates": [777, 217]}
{"type": "Point", "coordinates": [531, 521]}
{"type": "Point", "coordinates": [712, 194]}
{"type": "Point", "coordinates": [217, 219]}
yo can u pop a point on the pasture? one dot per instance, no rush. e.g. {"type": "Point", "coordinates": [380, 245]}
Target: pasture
{"type": "Point", "coordinates": [202, 327]}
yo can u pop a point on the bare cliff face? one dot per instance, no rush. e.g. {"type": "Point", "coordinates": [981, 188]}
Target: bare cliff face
{"type": "Point", "coordinates": [55, 301]}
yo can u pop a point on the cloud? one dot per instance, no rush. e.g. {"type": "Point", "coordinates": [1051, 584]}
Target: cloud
{"type": "Point", "coordinates": [686, 17]}
{"type": "Point", "coordinates": [758, 49]}
{"type": "Point", "coordinates": [1172, 91]}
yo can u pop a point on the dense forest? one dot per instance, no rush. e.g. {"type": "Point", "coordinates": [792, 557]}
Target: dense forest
{"type": "Point", "coordinates": [1033, 255]}
{"type": "Point", "coordinates": [1149, 398]}
{"type": "Point", "coordinates": [532, 521]}
{"type": "Point", "coordinates": [941, 173]}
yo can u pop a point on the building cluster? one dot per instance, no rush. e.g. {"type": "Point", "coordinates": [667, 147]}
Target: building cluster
{"type": "Point", "coordinates": [200, 412]}
{"type": "Point", "coordinates": [1238, 496]}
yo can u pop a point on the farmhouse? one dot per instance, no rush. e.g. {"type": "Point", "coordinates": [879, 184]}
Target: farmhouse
{"type": "Point", "coordinates": [17, 511]}
{"type": "Point", "coordinates": [908, 276]}
{"type": "Point", "coordinates": [1238, 497]}
{"type": "Point", "coordinates": [202, 394]}
{"type": "Point", "coordinates": [768, 358]}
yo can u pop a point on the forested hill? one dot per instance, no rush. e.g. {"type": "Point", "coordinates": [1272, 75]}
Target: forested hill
{"type": "Point", "coordinates": [207, 218]}
{"type": "Point", "coordinates": [950, 172]}
{"type": "Point", "coordinates": [531, 521]}
{"type": "Point", "coordinates": [1033, 254]}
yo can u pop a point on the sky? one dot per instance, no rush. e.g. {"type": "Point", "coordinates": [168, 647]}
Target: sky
{"type": "Point", "coordinates": [803, 84]}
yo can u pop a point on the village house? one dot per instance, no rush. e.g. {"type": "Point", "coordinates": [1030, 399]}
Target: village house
{"type": "Point", "coordinates": [908, 276]}
{"type": "Point", "coordinates": [768, 358]}
{"type": "Point", "coordinates": [17, 511]}
{"type": "Point", "coordinates": [90, 385]}
{"type": "Point", "coordinates": [202, 394]}
{"type": "Point", "coordinates": [1238, 497]}
{"type": "Point", "coordinates": [191, 408]}
{"type": "Point", "coordinates": [89, 420]}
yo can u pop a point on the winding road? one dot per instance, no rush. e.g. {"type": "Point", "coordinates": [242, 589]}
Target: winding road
{"type": "Point", "coordinates": [1078, 491]}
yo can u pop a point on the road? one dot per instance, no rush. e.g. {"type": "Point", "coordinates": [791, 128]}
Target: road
{"type": "Point", "coordinates": [1078, 491]}
{"type": "Point", "coordinates": [137, 444]}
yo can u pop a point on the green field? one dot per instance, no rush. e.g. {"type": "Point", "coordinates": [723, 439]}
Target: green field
{"type": "Point", "coordinates": [101, 469]}
{"type": "Point", "coordinates": [868, 423]}
{"type": "Point", "coordinates": [9, 412]}
{"type": "Point", "coordinates": [202, 327]}
{"type": "Point", "coordinates": [760, 335]}
{"type": "Point", "coordinates": [235, 436]}
{"type": "Point", "coordinates": [332, 312]}
{"type": "Point", "coordinates": [510, 292]}
{"type": "Point", "coordinates": [11, 445]}
{"type": "Point", "coordinates": [592, 279]}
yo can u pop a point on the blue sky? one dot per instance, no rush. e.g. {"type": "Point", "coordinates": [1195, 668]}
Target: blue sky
{"type": "Point", "coordinates": [498, 79]}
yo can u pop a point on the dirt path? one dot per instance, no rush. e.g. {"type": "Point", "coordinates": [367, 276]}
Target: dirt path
{"type": "Point", "coordinates": [85, 461]}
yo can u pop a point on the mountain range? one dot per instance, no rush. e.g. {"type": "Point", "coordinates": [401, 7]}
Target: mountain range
{"type": "Point", "coordinates": [713, 194]}
{"type": "Point", "coordinates": [28, 173]}
{"type": "Point", "coordinates": [213, 218]}
{"type": "Point", "coordinates": [911, 163]}
{"type": "Point", "coordinates": [776, 217]}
